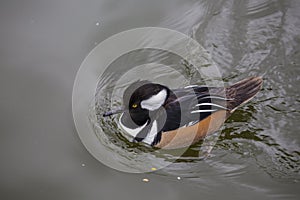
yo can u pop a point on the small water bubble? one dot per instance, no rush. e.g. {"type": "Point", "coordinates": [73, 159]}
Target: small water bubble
{"type": "Point", "coordinates": [97, 23]}
{"type": "Point", "coordinates": [145, 180]}
{"type": "Point", "coordinates": [178, 178]}
{"type": "Point", "coordinates": [83, 165]}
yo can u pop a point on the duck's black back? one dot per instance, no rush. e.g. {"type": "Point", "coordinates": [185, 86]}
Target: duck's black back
{"type": "Point", "coordinates": [182, 102]}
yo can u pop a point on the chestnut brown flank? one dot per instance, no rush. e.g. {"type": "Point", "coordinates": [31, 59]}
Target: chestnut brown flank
{"type": "Point", "coordinates": [186, 136]}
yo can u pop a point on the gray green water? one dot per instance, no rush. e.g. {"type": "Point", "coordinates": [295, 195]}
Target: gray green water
{"type": "Point", "coordinates": [42, 46]}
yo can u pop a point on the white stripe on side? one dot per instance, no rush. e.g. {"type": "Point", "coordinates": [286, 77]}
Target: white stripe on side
{"type": "Point", "coordinates": [211, 104]}
{"type": "Point", "coordinates": [131, 132]}
{"type": "Point", "coordinates": [192, 123]}
{"type": "Point", "coordinates": [202, 111]}
{"type": "Point", "coordinates": [151, 135]}
{"type": "Point", "coordinates": [190, 86]}
{"type": "Point", "coordinates": [216, 97]}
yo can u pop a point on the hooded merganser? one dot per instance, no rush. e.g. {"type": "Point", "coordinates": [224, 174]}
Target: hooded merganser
{"type": "Point", "coordinates": [161, 117]}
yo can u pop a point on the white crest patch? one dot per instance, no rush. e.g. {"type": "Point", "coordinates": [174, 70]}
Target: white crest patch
{"type": "Point", "coordinates": [151, 135]}
{"type": "Point", "coordinates": [130, 131]}
{"type": "Point", "coordinates": [155, 101]}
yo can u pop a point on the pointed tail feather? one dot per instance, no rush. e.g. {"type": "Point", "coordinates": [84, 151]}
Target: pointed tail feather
{"type": "Point", "coordinates": [243, 91]}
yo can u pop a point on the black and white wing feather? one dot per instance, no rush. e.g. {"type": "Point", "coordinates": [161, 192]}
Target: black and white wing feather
{"type": "Point", "coordinates": [187, 106]}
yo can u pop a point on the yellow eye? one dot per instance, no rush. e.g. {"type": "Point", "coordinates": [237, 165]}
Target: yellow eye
{"type": "Point", "coordinates": [134, 105]}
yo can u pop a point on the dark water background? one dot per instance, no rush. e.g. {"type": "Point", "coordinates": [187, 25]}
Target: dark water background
{"type": "Point", "coordinates": [42, 46]}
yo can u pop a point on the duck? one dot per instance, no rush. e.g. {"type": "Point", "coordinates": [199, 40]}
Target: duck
{"type": "Point", "coordinates": [160, 117]}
